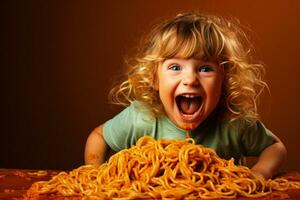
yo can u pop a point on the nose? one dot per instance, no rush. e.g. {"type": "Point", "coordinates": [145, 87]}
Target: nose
{"type": "Point", "coordinates": [190, 79]}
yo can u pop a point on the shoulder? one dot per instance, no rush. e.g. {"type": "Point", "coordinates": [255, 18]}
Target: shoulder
{"type": "Point", "coordinates": [242, 124]}
{"type": "Point", "coordinates": [244, 127]}
{"type": "Point", "coordinates": [232, 131]}
{"type": "Point", "coordinates": [123, 130]}
{"type": "Point", "coordinates": [247, 126]}
{"type": "Point", "coordinates": [254, 137]}
{"type": "Point", "coordinates": [141, 108]}
{"type": "Point", "coordinates": [136, 111]}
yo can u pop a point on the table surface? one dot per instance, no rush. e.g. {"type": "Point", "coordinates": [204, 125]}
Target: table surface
{"type": "Point", "coordinates": [15, 182]}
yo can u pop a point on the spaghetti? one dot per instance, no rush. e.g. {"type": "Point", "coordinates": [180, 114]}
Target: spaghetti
{"type": "Point", "coordinates": [161, 169]}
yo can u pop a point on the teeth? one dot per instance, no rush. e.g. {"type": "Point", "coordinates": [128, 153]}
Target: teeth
{"type": "Point", "coordinates": [189, 95]}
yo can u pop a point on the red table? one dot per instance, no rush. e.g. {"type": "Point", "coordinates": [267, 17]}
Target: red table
{"type": "Point", "coordinates": [15, 182]}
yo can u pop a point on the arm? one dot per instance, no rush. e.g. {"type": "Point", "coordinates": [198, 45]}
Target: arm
{"type": "Point", "coordinates": [96, 147]}
{"type": "Point", "coordinates": [271, 160]}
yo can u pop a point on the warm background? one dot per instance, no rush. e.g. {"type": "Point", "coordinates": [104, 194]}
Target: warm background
{"type": "Point", "coordinates": [60, 59]}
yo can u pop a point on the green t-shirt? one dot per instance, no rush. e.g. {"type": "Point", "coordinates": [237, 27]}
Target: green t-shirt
{"type": "Point", "coordinates": [229, 139]}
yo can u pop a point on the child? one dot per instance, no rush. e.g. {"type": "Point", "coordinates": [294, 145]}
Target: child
{"type": "Point", "coordinates": [192, 78]}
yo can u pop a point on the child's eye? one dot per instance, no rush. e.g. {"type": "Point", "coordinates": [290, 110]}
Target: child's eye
{"type": "Point", "coordinates": [206, 68]}
{"type": "Point", "coordinates": [175, 67]}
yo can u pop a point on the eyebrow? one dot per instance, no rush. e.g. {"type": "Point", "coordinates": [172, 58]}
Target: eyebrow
{"type": "Point", "coordinates": [174, 60]}
{"type": "Point", "coordinates": [200, 61]}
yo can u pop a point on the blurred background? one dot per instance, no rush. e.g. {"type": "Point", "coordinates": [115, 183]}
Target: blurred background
{"type": "Point", "coordinates": [60, 58]}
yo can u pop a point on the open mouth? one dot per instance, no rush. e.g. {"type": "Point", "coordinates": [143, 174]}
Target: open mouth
{"type": "Point", "coordinates": [188, 104]}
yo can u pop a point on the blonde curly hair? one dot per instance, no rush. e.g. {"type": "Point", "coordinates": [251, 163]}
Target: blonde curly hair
{"type": "Point", "coordinates": [196, 36]}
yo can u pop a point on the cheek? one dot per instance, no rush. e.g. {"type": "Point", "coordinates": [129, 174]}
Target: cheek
{"type": "Point", "coordinates": [213, 90]}
{"type": "Point", "coordinates": [166, 92]}
{"type": "Point", "coordinates": [164, 84]}
{"type": "Point", "coordinates": [218, 90]}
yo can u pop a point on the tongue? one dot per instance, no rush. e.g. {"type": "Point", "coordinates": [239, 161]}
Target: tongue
{"type": "Point", "coordinates": [189, 105]}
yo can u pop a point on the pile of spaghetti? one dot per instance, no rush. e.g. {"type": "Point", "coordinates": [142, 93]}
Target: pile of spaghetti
{"type": "Point", "coordinates": [161, 169]}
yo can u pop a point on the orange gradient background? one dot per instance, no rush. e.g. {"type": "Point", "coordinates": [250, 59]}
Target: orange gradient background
{"type": "Point", "coordinates": [60, 59]}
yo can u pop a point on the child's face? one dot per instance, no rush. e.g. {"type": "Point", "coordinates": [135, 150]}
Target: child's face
{"type": "Point", "coordinates": [189, 89]}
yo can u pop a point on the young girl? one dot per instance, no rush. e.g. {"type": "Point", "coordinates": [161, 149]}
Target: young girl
{"type": "Point", "coordinates": [192, 78]}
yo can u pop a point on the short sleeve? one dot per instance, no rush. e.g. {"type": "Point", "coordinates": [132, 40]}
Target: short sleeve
{"type": "Point", "coordinates": [122, 131]}
{"type": "Point", "coordinates": [255, 138]}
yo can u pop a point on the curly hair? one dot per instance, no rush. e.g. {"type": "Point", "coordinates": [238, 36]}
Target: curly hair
{"type": "Point", "coordinates": [199, 36]}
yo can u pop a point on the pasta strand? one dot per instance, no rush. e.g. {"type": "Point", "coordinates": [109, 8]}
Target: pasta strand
{"type": "Point", "coordinates": [161, 169]}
